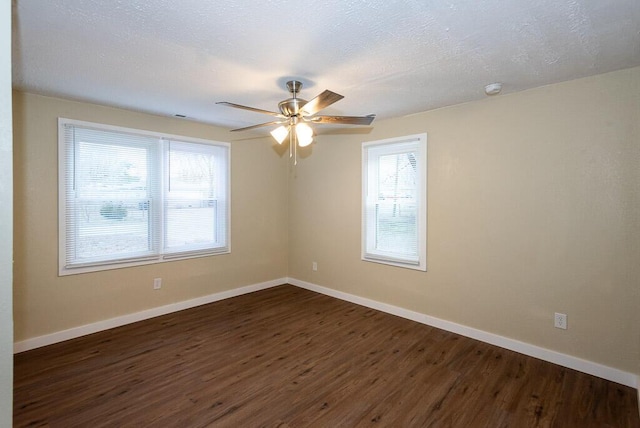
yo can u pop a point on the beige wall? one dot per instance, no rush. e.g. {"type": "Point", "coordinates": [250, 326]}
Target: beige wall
{"type": "Point", "coordinates": [45, 303]}
{"type": "Point", "coordinates": [533, 209]}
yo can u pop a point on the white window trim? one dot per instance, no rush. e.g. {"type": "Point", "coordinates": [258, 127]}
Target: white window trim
{"type": "Point", "coordinates": [62, 195]}
{"type": "Point", "coordinates": [395, 144]}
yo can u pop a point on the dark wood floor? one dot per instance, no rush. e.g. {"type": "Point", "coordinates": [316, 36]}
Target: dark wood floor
{"type": "Point", "coordinates": [287, 357]}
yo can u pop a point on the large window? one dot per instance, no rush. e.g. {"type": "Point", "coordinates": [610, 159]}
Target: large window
{"type": "Point", "coordinates": [394, 206]}
{"type": "Point", "coordinates": [130, 197]}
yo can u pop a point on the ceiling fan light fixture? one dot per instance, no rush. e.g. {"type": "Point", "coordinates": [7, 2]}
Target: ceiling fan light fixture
{"type": "Point", "coordinates": [304, 134]}
{"type": "Point", "coordinates": [296, 114]}
{"type": "Point", "coordinates": [280, 133]}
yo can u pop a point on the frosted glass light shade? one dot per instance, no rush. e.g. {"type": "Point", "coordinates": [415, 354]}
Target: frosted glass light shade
{"type": "Point", "coordinates": [280, 133]}
{"type": "Point", "coordinates": [304, 134]}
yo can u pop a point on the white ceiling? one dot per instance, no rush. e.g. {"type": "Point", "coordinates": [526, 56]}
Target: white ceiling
{"type": "Point", "coordinates": [387, 57]}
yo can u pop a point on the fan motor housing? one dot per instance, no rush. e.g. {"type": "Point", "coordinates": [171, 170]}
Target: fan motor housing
{"type": "Point", "coordinates": [291, 107]}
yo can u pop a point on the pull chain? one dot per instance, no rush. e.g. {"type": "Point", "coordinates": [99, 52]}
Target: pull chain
{"type": "Point", "coordinates": [295, 151]}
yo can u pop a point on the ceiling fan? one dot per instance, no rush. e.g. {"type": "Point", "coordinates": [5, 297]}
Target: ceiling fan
{"type": "Point", "coordinates": [296, 113]}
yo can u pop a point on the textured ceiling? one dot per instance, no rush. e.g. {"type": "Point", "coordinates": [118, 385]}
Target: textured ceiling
{"type": "Point", "coordinates": [391, 58]}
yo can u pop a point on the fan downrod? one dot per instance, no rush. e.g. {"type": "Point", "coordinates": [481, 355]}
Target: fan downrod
{"type": "Point", "coordinates": [291, 107]}
{"type": "Point", "coordinates": [294, 87]}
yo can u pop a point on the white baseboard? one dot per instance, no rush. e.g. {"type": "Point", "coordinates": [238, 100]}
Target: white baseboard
{"type": "Point", "coordinates": [575, 363]}
{"type": "Point", "coordinates": [564, 360]}
{"type": "Point", "coordinates": [72, 333]}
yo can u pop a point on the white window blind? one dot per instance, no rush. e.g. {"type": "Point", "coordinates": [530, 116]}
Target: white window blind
{"type": "Point", "coordinates": [131, 197]}
{"type": "Point", "coordinates": [195, 203]}
{"type": "Point", "coordinates": [394, 201]}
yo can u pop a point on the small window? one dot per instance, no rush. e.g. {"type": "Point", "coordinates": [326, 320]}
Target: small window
{"type": "Point", "coordinates": [394, 201]}
{"type": "Point", "coordinates": [129, 197]}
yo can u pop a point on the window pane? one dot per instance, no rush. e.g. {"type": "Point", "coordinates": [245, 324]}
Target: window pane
{"type": "Point", "coordinates": [118, 169]}
{"type": "Point", "coordinates": [110, 199]}
{"type": "Point", "coordinates": [397, 176]}
{"type": "Point", "coordinates": [192, 198]}
{"type": "Point", "coordinates": [396, 228]}
{"type": "Point", "coordinates": [107, 229]}
{"type": "Point", "coordinates": [188, 226]}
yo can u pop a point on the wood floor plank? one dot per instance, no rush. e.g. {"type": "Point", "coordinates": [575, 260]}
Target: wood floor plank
{"type": "Point", "coordinates": [287, 357]}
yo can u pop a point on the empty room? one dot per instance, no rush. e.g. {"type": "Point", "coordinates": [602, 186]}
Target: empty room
{"type": "Point", "coordinates": [320, 214]}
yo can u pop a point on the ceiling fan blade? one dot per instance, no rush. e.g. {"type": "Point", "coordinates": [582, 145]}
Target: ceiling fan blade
{"type": "Point", "coordinates": [257, 110]}
{"type": "Point", "coordinates": [345, 120]}
{"type": "Point", "coordinates": [323, 100]}
{"type": "Point", "coordinates": [260, 125]}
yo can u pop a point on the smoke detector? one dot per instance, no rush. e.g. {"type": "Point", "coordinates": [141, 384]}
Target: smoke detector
{"type": "Point", "coordinates": [493, 88]}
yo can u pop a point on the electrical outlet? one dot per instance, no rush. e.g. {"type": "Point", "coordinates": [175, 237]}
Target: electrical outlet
{"type": "Point", "coordinates": [560, 321]}
{"type": "Point", "coordinates": [314, 266]}
{"type": "Point", "coordinates": [157, 283]}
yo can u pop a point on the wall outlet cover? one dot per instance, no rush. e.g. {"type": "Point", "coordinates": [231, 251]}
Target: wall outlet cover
{"type": "Point", "coordinates": [560, 320]}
